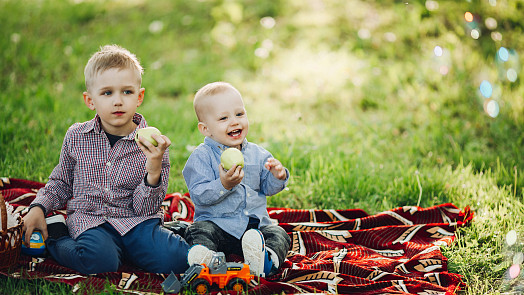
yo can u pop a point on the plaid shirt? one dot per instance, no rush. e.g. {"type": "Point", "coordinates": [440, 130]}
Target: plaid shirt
{"type": "Point", "coordinates": [100, 183]}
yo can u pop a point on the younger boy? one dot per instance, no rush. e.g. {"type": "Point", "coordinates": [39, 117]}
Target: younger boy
{"type": "Point", "coordinates": [230, 206]}
{"type": "Point", "coordinates": [113, 186]}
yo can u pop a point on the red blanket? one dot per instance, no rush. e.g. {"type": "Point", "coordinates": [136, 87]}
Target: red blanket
{"type": "Point", "coordinates": [333, 251]}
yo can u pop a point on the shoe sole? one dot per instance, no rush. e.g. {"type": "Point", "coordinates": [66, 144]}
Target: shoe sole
{"type": "Point", "coordinates": [199, 254]}
{"type": "Point", "coordinates": [55, 218]}
{"type": "Point", "coordinates": [253, 247]}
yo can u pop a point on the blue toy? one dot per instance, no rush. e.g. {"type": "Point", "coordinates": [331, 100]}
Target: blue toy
{"type": "Point", "coordinates": [36, 244]}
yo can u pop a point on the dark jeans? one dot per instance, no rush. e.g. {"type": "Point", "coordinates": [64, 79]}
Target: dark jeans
{"type": "Point", "coordinates": [213, 237]}
{"type": "Point", "coordinates": [102, 249]}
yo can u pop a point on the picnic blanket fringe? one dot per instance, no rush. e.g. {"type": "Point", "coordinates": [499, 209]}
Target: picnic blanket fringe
{"type": "Point", "coordinates": [333, 251]}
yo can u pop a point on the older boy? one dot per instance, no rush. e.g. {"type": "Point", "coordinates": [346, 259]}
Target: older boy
{"type": "Point", "coordinates": [230, 206]}
{"type": "Point", "coordinates": [113, 186]}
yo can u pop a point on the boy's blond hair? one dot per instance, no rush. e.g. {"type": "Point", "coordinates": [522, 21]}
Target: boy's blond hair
{"type": "Point", "coordinates": [110, 57]}
{"type": "Point", "coordinates": [210, 90]}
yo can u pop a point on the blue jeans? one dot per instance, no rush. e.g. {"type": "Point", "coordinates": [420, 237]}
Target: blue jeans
{"type": "Point", "coordinates": [102, 249]}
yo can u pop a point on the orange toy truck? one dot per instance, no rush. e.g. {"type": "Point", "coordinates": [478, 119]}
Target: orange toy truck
{"type": "Point", "coordinates": [200, 277]}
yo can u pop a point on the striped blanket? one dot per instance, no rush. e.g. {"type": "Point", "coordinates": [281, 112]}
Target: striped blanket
{"type": "Point", "coordinates": [333, 251]}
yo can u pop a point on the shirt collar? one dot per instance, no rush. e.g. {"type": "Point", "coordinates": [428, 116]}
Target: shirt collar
{"type": "Point", "coordinates": [218, 147]}
{"type": "Point", "coordinates": [95, 125]}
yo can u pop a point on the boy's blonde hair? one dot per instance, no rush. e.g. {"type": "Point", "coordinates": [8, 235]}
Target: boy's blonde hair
{"type": "Point", "coordinates": [110, 57]}
{"type": "Point", "coordinates": [210, 90]}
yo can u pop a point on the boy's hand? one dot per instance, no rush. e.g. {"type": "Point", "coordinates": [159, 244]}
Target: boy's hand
{"type": "Point", "coordinates": [154, 156]}
{"type": "Point", "coordinates": [231, 177]}
{"type": "Point", "coordinates": [34, 220]}
{"type": "Point", "coordinates": [276, 168]}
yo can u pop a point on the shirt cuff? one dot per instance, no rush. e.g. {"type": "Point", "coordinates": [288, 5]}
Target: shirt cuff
{"type": "Point", "coordinates": [37, 205]}
{"type": "Point", "coordinates": [152, 186]}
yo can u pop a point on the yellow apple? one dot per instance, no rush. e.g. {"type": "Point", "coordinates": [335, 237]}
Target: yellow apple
{"type": "Point", "coordinates": [231, 157]}
{"type": "Point", "coordinates": [146, 133]}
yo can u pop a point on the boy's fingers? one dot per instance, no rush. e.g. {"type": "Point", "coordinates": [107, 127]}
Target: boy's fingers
{"type": "Point", "coordinates": [45, 234]}
{"type": "Point", "coordinates": [27, 237]}
{"type": "Point", "coordinates": [167, 140]}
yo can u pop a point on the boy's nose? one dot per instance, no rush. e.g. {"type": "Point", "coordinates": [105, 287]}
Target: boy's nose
{"type": "Point", "coordinates": [118, 99]}
{"type": "Point", "coordinates": [234, 121]}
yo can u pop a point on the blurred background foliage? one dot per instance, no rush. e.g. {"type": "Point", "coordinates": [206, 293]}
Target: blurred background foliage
{"type": "Point", "coordinates": [387, 83]}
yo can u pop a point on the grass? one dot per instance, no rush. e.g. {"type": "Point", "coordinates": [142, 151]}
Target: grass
{"type": "Point", "coordinates": [349, 95]}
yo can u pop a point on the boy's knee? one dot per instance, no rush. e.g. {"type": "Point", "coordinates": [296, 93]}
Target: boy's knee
{"type": "Point", "coordinates": [201, 232]}
{"type": "Point", "coordinates": [97, 263]}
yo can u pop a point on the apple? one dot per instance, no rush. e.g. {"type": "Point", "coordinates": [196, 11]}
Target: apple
{"type": "Point", "coordinates": [146, 133]}
{"type": "Point", "coordinates": [231, 157]}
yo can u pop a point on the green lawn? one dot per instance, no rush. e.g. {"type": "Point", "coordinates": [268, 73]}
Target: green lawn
{"type": "Point", "coordinates": [370, 104]}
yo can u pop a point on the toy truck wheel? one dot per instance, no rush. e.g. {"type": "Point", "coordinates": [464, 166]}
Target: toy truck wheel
{"type": "Point", "coordinates": [200, 286]}
{"type": "Point", "coordinates": [237, 284]}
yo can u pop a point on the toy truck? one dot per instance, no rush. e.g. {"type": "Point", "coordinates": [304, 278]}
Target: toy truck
{"type": "Point", "coordinates": [200, 277]}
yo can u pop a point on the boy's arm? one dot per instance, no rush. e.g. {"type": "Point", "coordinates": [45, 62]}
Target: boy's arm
{"type": "Point", "coordinates": [203, 180]}
{"type": "Point", "coordinates": [274, 176]}
{"type": "Point", "coordinates": [59, 188]}
{"type": "Point", "coordinates": [54, 195]}
{"type": "Point", "coordinates": [149, 195]}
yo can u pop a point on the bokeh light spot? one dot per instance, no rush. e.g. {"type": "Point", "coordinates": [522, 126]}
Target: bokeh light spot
{"type": "Point", "coordinates": [438, 51]}
{"type": "Point", "coordinates": [475, 34]}
{"type": "Point", "coordinates": [15, 38]}
{"type": "Point", "coordinates": [518, 258]}
{"type": "Point", "coordinates": [511, 237]}
{"type": "Point", "coordinates": [491, 23]}
{"type": "Point", "coordinates": [468, 16]}
{"type": "Point", "coordinates": [267, 22]}
{"type": "Point", "coordinates": [262, 52]}
{"type": "Point", "coordinates": [496, 36]}
{"type": "Point", "coordinates": [390, 36]}
{"type": "Point", "coordinates": [431, 5]}
{"type": "Point", "coordinates": [443, 70]}
{"type": "Point", "coordinates": [514, 271]}
{"type": "Point", "coordinates": [156, 26]}
{"type": "Point", "coordinates": [503, 54]}
{"type": "Point", "coordinates": [486, 89]}
{"type": "Point", "coordinates": [68, 50]}
{"type": "Point", "coordinates": [492, 108]}
{"type": "Point", "coordinates": [511, 74]}
{"type": "Point", "coordinates": [364, 33]}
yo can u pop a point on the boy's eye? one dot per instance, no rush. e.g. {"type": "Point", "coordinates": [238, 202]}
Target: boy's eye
{"type": "Point", "coordinates": [240, 114]}
{"type": "Point", "coordinates": [107, 92]}
{"type": "Point", "coordinates": [222, 118]}
{"type": "Point", "coordinates": [128, 92]}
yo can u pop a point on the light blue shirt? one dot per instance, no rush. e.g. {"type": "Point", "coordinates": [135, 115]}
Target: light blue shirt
{"type": "Point", "coordinates": [231, 209]}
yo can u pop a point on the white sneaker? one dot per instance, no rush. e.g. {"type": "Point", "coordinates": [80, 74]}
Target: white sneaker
{"type": "Point", "coordinates": [254, 249]}
{"type": "Point", "coordinates": [199, 254]}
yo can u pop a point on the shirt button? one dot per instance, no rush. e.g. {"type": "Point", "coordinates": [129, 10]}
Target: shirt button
{"type": "Point", "coordinates": [108, 164]}
{"type": "Point", "coordinates": [246, 212]}
{"type": "Point", "coordinates": [107, 189]}
{"type": "Point", "coordinates": [221, 192]}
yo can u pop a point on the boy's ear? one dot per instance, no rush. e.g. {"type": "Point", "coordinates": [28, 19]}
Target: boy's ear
{"type": "Point", "coordinates": [89, 101]}
{"type": "Point", "coordinates": [141, 93]}
{"type": "Point", "coordinates": [202, 127]}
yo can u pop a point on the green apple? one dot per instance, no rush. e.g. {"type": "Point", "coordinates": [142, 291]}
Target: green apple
{"type": "Point", "coordinates": [231, 157]}
{"type": "Point", "coordinates": [146, 133]}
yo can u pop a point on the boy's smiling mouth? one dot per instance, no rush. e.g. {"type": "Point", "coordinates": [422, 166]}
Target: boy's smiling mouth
{"type": "Point", "coordinates": [235, 133]}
